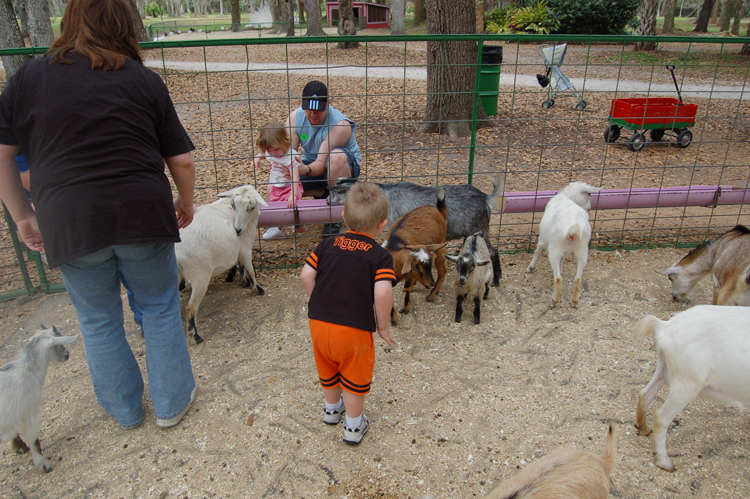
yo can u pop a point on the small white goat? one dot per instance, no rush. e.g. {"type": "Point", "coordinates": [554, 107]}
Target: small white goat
{"type": "Point", "coordinates": [21, 392]}
{"type": "Point", "coordinates": [471, 278]}
{"type": "Point", "coordinates": [727, 259]}
{"type": "Point", "coordinates": [222, 233]}
{"type": "Point", "coordinates": [565, 230]}
{"type": "Point", "coordinates": [701, 351]}
{"type": "Point", "coordinates": [564, 474]}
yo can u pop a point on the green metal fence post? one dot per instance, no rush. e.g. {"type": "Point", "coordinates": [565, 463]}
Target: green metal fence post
{"type": "Point", "coordinates": [475, 110]}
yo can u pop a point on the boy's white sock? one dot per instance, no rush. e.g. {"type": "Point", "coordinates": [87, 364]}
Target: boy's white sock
{"type": "Point", "coordinates": [334, 407]}
{"type": "Point", "coordinates": [353, 423]}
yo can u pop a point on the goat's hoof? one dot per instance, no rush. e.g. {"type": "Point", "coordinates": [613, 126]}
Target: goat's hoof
{"type": "Point", "coordinates": [529, 270]}
{"type": "Point", "coordinates": [575, 304]}
{"type": "Point", "coordinates": [404, 311]}
{"type": "Point", "coordinates": [665, 465]}
{"type": "Point", "coordinates": [198, 339]}
{"type": "Point", "coordinates": [643, 431]}
{"type": "Point", "coordinates": [554, 304]}
{"type": "Point", "coordinates": [260, 290]}
{"type": "Point", "coordinates": [495, 284]}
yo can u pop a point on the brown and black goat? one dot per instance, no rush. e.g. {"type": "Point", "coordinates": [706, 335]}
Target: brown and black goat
{"type": "Point", "coordinates": [414, 240]}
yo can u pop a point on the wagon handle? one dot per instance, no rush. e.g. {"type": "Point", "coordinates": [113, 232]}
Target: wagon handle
{"type": "Point", "coordinates": [670, 68]}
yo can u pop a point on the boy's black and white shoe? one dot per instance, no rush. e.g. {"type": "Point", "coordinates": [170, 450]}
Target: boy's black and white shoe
{"type": "Point", "coordinates": [354, 436]}
{"type": "Point", "coordinates": [334, 417]}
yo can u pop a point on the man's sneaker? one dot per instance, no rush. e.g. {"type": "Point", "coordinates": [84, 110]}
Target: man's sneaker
{"type": "Point", "coordinates": [274, 233]}
{"type": "Point", "coordinates": [330, 229]}
{"type": "Point", "coordinates": [334, 417]}
{"type": "Point", "coordinates": [355, 436]}
{"type": "Point", "coordinates": [166, 423]}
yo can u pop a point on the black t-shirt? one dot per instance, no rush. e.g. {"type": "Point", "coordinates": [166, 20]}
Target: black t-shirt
{"type": "Point", "coordinates": [347, 268]}
{"type": "Point", "coordinates": [95, 141]}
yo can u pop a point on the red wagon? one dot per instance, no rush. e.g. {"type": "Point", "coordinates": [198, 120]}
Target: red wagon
{"type": "Point", "coordinates": [656, 114]}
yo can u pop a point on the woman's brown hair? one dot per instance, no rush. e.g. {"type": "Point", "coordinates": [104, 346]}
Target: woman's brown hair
{"type": "Point", "coordinates": [100, 30]}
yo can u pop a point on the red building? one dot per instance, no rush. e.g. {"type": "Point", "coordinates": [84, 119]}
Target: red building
{"type": "Point", "coordinates": [366, 14]}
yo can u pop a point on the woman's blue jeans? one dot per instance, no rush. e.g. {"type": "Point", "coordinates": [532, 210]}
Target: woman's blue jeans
{"type": "Point", "coordinates": [93, 284]}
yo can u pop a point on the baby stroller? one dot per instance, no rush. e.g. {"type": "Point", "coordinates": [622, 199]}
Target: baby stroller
{"type": "Point", "coordinates": [553, 56]}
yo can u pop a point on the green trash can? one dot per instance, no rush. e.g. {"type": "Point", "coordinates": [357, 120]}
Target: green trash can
{"type": "Point", "coordinates": [489, 78]}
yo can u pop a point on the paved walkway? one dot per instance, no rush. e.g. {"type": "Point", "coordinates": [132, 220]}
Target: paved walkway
{"type": "Point", "coordinates": [420, 73]}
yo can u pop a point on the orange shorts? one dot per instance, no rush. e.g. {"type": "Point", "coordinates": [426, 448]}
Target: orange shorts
{"type": "Point", "coordinates": [344, 356]}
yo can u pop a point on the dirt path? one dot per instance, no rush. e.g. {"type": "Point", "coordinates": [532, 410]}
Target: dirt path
{"type": "Point", "coordinates": [455, 408]}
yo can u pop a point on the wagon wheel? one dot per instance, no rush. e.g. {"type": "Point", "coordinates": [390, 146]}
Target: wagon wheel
{"type": "Point", "coordinates": [684, 139]}
{"type": "Point", "coordinates": [548, 103]}
{"type": "Point", "coordinates": [581, 105]}
{"type": "Point", "coordinates": [612, 133]}
{"type": "Point", "coordinates": [637, 141]}
{"type": "Point", "coordinates": [657, 134]}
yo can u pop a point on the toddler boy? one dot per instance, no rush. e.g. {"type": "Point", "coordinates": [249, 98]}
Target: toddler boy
{"type": "Point", "coordinates": [345, 276]}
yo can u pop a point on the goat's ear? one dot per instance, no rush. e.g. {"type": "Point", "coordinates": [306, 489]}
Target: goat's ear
{"type": "Point", "coordinates": [747, 275]}
{"type": "Point", "coordinates": [407, 267]}
{"type": "Point", "coordinates": [54, 330]}
{"type": "Point", "coordinates": [589, 189]}
{"type": "Point", "coordinates": [482, 263]}
{"type": "Point", "coordinates": [452, 258]}
{"type": "Point", "coordinates": [260, 199]}
{"type": "Point", "coordinates": [227, 194]}
{"type": "Point", "coordinates": [435, 247]}
{"type": "Point", "coordinates": [64, 340]}
{"type": "Point", "coordinates": [669, 271]}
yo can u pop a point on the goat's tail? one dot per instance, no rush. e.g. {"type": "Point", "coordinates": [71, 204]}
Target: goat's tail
{"type": "Point", "coordinates": [647, 327]}
{"type": "Point", "coordinates": [441, 206]}
{"type": "Point", "coordinates": [498, 182]}
{"type": "Point", "coordinates": [610, 448]}
{"type": "Point", "coordinates": [574, 232]}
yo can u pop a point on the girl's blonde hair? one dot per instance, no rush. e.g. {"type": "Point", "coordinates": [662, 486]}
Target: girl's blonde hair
{"type": "Point", "coordinates": [273, 135]}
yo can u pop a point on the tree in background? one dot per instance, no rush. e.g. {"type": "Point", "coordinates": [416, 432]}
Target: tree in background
{"type": "Point", "coordinates": [22, 18]}
{"type": "Point", "coordinates": [647, 23]}
{"type": "Point", "coordinates": [740, 10]}
{"type": "Point", "coordinates": [301, 10]}
{"type": "Point", "coordinates": [40, 27]}
{"type": "Point", "coordinates": [668, 10]}
{"type": "Point", "coordinates": [279, 16]}
{"type": "Point", "coordinates": [290, 21]}
{"type": "Point", "coordinates": [398, 13]}
{"type": "Point", "coordinates": [420, 13]}
{"type": "Point", "coordinates": [745, 50]}
{"type": "Point", "coordinates": [314, 20]}
{"type": "Point", "coordinates": [236, 19]}
{"type": "Point", "coordinates": [10, 37]}
{"type": "Point", "coordinates": [140, 30]}
{"type": "Point", "coordinates": [727, 9]}
{"type": "Point", "coordinates": [451, 69]}
{"type": "Point", "coordinates": [704, 14]}
{"type": "Point", "coordinates": [347, 25]}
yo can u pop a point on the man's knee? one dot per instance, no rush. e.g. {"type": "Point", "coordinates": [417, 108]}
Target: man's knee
{"type": "Point", "coordinates": [338, 165]}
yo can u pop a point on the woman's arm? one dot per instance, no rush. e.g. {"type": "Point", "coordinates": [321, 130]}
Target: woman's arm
{"type": "Point", "coordinates": [182, 169]}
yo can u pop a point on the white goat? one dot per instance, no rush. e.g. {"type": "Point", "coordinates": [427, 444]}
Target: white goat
{"type": "Point", "coordinates": [565, 230]}
{"type": "Point", "coordinates": [701, 351]}
{"type": "Point", "coordinates": [727, 259]}
{"type": "Point", "coordinates": [221, 234]}
{"type": "Point", "coordinates": [471, 278]}
{"type": "Point", "coordinates": [564, 474]}
{"type": "Point", "coordinates": [21, 392]}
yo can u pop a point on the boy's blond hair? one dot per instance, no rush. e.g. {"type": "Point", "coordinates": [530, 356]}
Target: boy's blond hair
{"type": "Point", "coordinates": [273, 135]}
{"type": "Point", "coordinates": [365, 206]}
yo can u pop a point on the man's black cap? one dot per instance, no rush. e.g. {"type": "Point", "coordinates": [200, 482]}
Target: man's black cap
{"type": "Point", "coordinates": [314, 96]}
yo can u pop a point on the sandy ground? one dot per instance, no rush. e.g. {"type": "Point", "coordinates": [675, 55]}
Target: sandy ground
{"type": "Point", "coordinates": [455, 408]}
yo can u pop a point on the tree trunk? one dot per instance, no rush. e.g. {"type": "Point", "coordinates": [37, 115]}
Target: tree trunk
{"type": "Point", "coordinates": [301, 10]}
{"type": "Point", "coordinates": [40, 27]}
{"type": "Point", "coordinates": [745, 50]}
{"type": "Point", "coordinates": [398, 11]}
{"type": "Point", "coordinates": [290, 19]}
{"type": "Point", "coordinates": [480, 16]}
{"type": "Point", "coordinates": [141, 5]}
{"type": "Point", "coordinates": [236, 27]}
{"type": "Point", "coordinates": [221, 7]}
{"type": "Point", "coordinates": [739, 10]}
{"type": "Point", "coordinates": [347, 25]}
{"type": "Point", "coordinates": [450, 69]}
{"type": "Point", "coordinates": [55, 4]}
{"type": "Point", "coordinates": [10, 37]}
{"type": "Point", "coordinates": [646, 23]}
{"type": "Point", "coordinates": [23, 18]}
{"type": "Point", "coordinates": [279, 16]}
{"type": "Point", "coordinates": [420, 13]}
{"type": "Point", "coordinates": [312, 9]}
{"type": "Point", "coordinates": [140, 30]}
{"type": "Point", "coordinates": [715, 12]}
{"type": "Point", "coordinates": [669, 8]}
{"type": "Point", "coordinates": [727, 9]}
{"type": "Point", "coordinates": [701, 24]}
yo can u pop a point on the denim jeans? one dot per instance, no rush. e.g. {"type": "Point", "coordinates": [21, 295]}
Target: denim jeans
{"type": "Point", "coordinates": [93, 283]}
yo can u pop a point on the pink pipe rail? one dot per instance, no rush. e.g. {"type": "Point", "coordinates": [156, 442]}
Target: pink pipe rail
{"type": "Point", "coordinates": [317, 211]}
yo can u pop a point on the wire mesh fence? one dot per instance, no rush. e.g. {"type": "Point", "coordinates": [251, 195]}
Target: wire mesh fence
{"type": "Point", "coordinates": [660, 188]}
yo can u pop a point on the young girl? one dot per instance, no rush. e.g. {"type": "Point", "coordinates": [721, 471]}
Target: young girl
{"type": "Point", "coordinates": [283, 182]}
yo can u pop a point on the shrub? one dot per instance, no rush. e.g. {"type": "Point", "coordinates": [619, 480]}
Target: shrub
{"type": "Point", "coordinates": [154, 10]}
{"type": "Point", "coordinates": [536, 18]}
{"type": "Point", "coordinates": [594, 17]}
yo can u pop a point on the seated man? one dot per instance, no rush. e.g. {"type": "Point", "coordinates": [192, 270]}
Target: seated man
{"type": "Point", "coordinates": [330, 148]}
